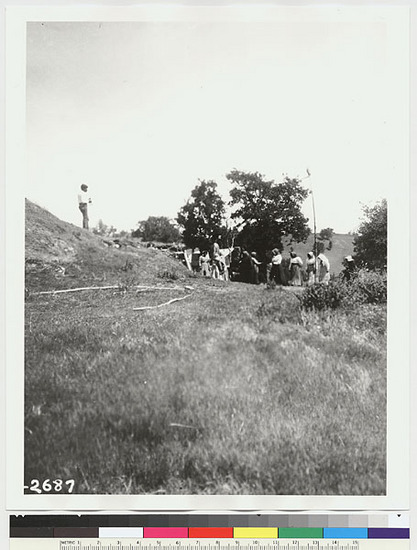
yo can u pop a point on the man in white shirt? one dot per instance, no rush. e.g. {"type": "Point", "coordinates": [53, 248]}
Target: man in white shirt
{"type": "Point", "coordinates": [83, 201]}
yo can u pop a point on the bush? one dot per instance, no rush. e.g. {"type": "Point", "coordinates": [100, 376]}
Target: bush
{"type": "Point", "coordinates": [366, 287]}
{"type": "Point", "coordinates": [323, 297]}
{"type": "Point", "coordinates": [369, 287]}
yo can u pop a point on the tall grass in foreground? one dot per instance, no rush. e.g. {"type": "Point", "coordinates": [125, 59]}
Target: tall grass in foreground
{"type": "Point", "coordinates": [233, 391]}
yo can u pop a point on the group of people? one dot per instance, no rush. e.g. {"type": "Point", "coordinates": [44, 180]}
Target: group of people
{"type": "Point", "coordinates": [238, 264]}
{"type": "Point", "coordinates": [211, 263]}
{"type": "Point", "coordinates": [317, 269]}
{"type": "Point", "coordinates": [289, 271]}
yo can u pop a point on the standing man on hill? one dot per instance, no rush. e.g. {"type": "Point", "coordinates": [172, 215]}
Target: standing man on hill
{"type": "Point", "coordinates": [83, 202]}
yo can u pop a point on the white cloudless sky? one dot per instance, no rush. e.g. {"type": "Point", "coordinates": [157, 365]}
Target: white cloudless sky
{"type": "Point", "coordinates": [141, 110]}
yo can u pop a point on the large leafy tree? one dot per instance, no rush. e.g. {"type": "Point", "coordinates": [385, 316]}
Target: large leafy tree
{"type": "Point", "coordinates": [157, 228]}
{"type": "Point", "coordinates": [267, 211]}
{"type": "Point", "coordinates": [202, 217]}
{"type": "Point", "coordinates": [370, 244]}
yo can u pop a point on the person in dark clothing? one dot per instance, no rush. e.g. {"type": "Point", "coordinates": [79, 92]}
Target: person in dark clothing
{"type": "Point", "coordinates": [246, 268]}
{"type": "Point", "coordinates": [235, 260]}
{"type": "Point", "coordinates": [349, 268]}
{"type": "Point", "coordinates": [195, 260]}
{"type": "Point", "coordinates": [256, 265]}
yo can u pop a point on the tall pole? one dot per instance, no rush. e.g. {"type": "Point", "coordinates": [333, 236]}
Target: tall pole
{"type": "Point", "coordinates": [314, 220]}
{"type": "Point", "coordinates": [314, 225]}
{"type": "Point", "coordinates": [315, 235]}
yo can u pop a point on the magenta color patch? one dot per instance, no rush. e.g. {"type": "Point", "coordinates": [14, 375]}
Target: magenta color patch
{"type": "Point", "coordinates": [165, 532]}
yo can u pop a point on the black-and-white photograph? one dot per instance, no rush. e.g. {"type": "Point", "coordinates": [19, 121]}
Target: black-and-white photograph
{"type": "Point", "coordinates": [206, 234]}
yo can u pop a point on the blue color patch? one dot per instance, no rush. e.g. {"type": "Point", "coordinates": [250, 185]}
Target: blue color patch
{"type": "Point", "coordinates": [345, 533]}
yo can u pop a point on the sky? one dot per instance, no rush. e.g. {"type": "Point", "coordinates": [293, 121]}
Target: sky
{"type": "Point", "coordinates": [140, 111]}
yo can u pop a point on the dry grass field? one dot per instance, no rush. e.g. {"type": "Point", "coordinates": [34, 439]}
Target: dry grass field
{"type": "Point", "coordinates": [233, 390]}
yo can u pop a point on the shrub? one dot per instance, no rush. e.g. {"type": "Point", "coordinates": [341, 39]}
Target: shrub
{"type": "Point", "coordinates": [323, 297]}
{"type": "Point", "coordinates": [366, 287]}
{"type": "Point", "coordinates": [369, 287]}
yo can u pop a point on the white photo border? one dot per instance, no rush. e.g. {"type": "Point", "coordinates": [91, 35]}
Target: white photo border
{"type": "Point", "coordinates": [397, 24]}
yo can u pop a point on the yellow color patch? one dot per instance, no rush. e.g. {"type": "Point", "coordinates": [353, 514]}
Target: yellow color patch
{"type": "Point", "coordinates": [255, 532]}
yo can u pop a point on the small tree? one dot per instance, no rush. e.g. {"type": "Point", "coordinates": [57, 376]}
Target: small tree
{"type": "Point", "coordinates": [157, 228]}
{"type": "Point", "coordinates": [370, 244]}
{"type": "Point", "coordinates": [323, 236]}
{"type": "Point", "coordinates": [202, 217]}
{"type": "Point", "coordinates": [326, 234]}
{"type": "Point", "coordinates": [268, 211]}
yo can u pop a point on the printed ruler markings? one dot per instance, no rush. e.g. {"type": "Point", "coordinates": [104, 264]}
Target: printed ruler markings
{"type": "Point", "coordinates": [276, 544]}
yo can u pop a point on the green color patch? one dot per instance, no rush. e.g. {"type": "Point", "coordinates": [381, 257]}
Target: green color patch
{"type": "Point", "coordinates": [300, 533]}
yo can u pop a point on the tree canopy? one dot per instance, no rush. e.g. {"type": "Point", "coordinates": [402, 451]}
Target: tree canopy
{"type": "Point", "coordinates": [202, 217]}
{"type": "Point", "coordinates": [370, 244]}
{"type": "Point", "coordinates": [157, 228]}
{"type": "Point", "coordinates": [326, 234]}
{"type": "Point", "coordinates": [267, 211]}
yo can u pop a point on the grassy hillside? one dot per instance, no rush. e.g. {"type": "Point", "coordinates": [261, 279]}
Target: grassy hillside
{"type": "Point", "coordinates": [233, 390]}
{"type": "Point", "coordinates": [60, 255]}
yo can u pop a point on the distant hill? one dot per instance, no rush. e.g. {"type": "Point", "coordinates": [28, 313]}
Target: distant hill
{"type": "Point", "coordinates": [342, 246]}
{"type": "Point", "coordinates": [61, 255]}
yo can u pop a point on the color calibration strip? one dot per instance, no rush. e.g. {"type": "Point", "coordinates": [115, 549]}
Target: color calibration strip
{"type": "Point", "coordinates": [212, 532]}
{"type": "Point", "coordinates": [261, 520]}
{"type": "Point", "coordinates": [271, 533]}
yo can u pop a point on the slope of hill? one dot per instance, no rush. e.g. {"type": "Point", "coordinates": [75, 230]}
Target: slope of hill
{"type": "Point", "coordinates": [209, 388]}
{"type": "Point", "coordinates": [342, 246]}
{"type": "Point", "coordinates": [60, 255]}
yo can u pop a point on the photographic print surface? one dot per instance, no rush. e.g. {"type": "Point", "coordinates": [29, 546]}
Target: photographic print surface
{"type": "Point", "coordinates": [208, 222]}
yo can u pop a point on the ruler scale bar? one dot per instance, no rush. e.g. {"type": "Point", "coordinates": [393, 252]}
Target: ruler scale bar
{"type": "Point", "coordinates": [242, 544]}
